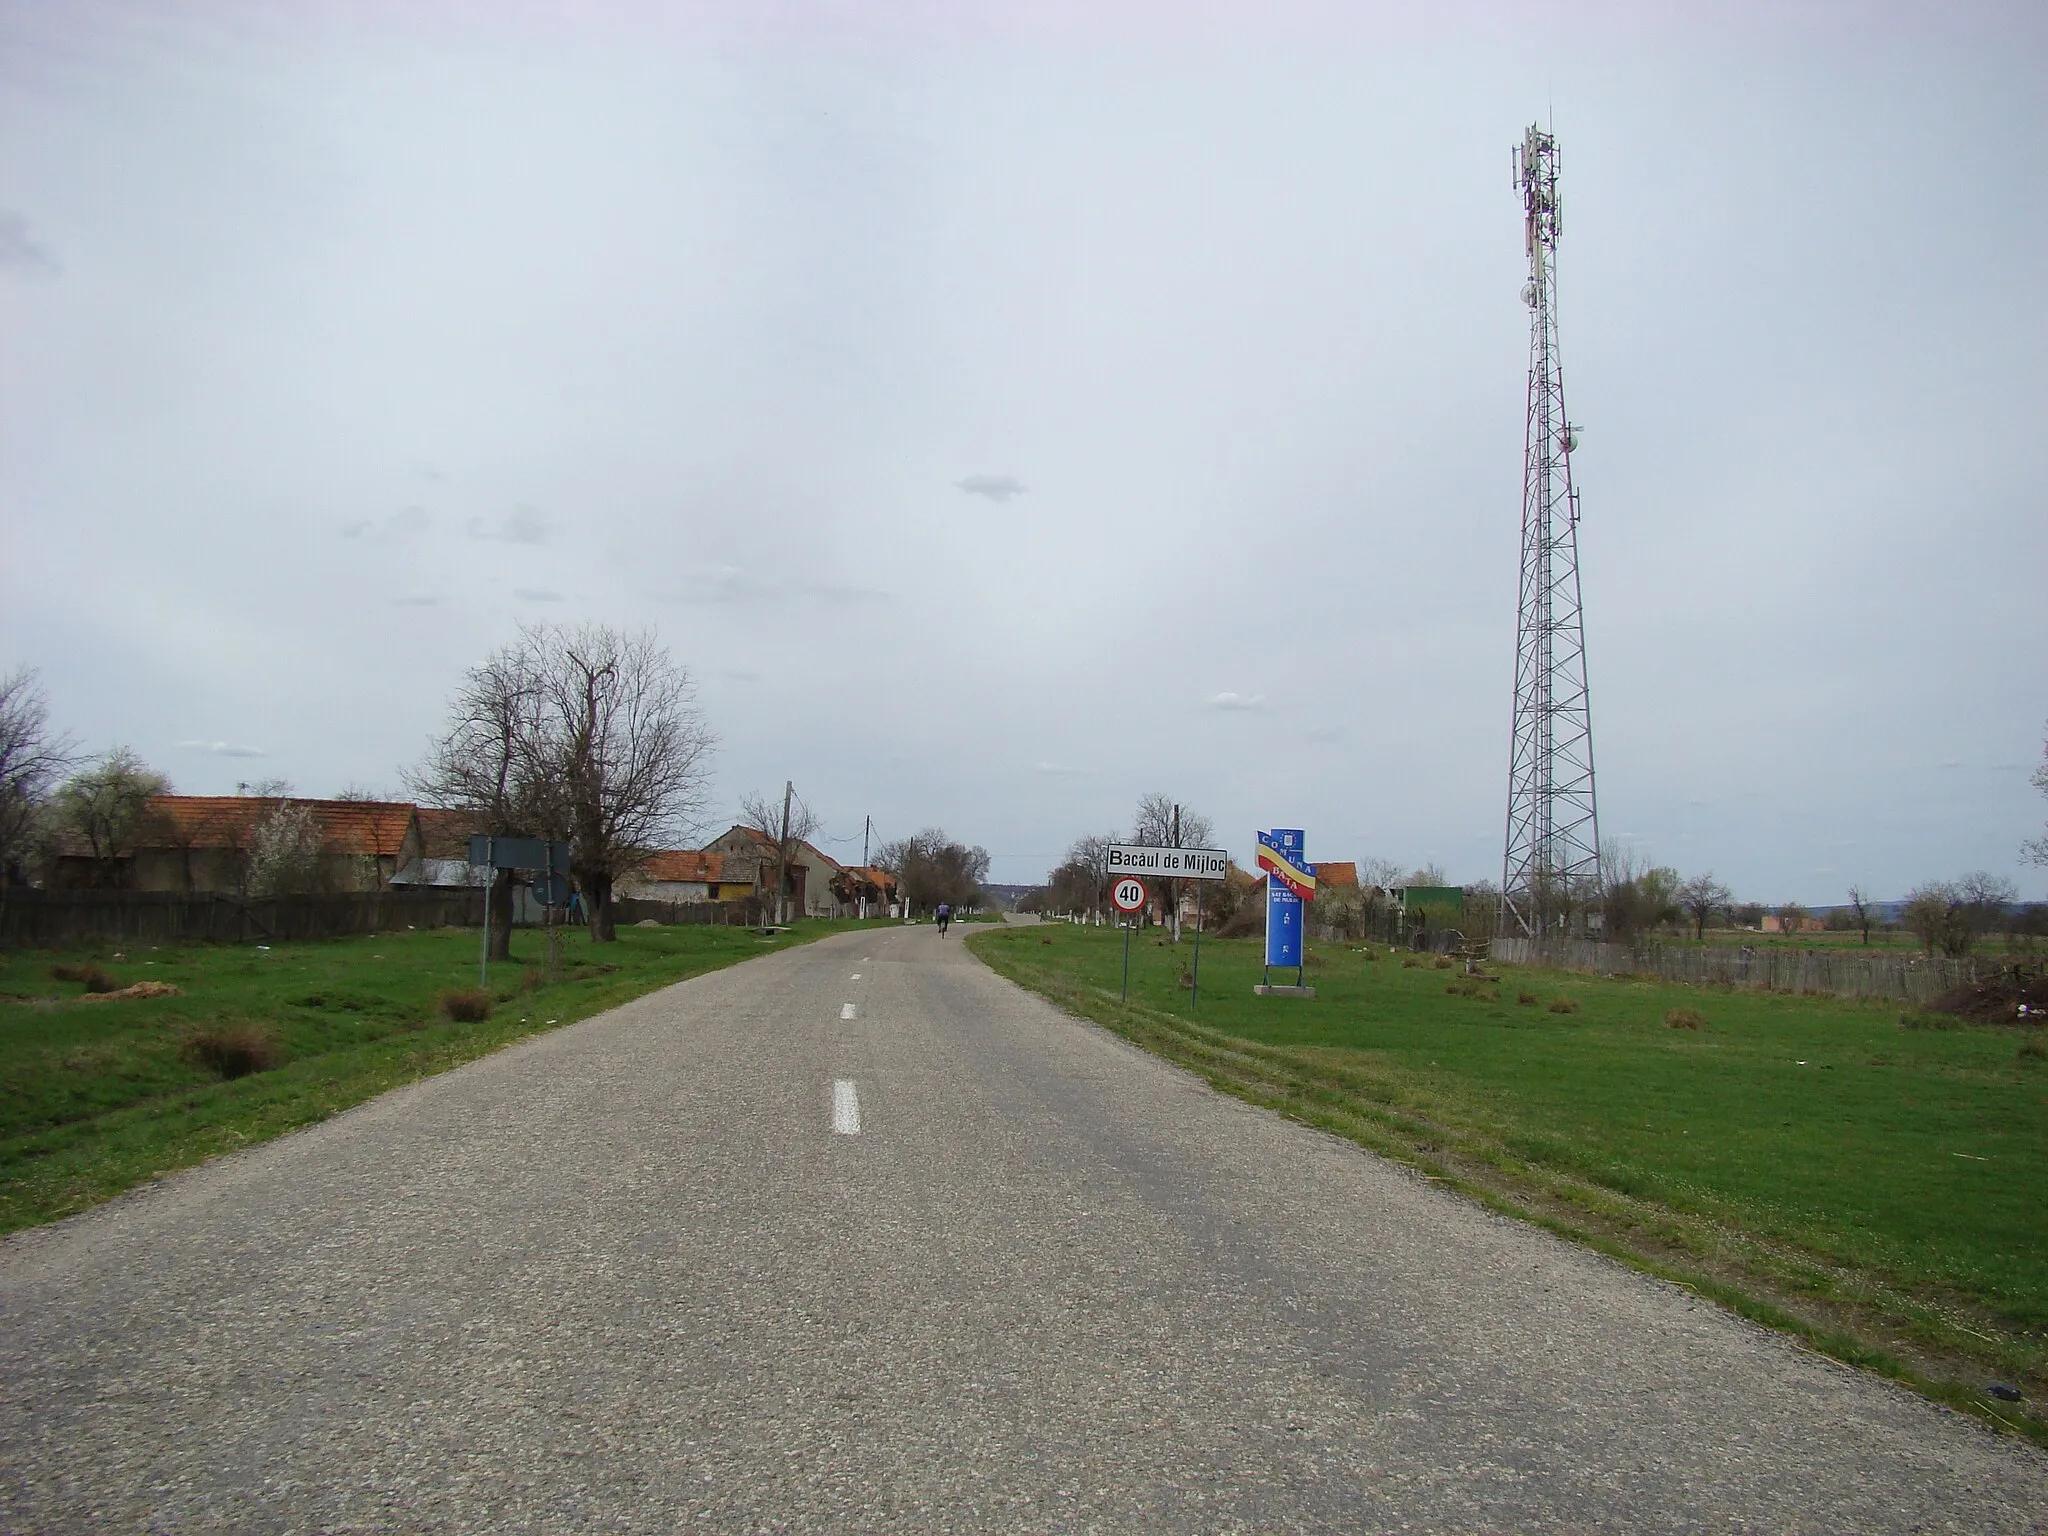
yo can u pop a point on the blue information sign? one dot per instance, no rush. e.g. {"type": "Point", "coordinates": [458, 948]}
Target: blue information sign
{"type": "Point", "coordinates": [1283, 907]}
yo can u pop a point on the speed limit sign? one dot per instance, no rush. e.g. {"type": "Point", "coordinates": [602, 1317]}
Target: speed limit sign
{"type": "Point", "coordinates": [1127, 895]}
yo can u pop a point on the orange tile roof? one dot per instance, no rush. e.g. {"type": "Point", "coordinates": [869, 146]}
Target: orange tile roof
{"type": "Point", "coordinates": [1337, 876]}
{"type": "Point", "coordinates": [684, 864]}
{"type": "Point", "coordinates": [361, 827]}
{"type": "Point", "coordinates": [874, 874]}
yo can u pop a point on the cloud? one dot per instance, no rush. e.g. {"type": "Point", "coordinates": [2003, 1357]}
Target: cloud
{"type": "Point", "coordinates": [716, 584]}
{"type": "Point", "coordinates": [223, 749]}
{"type": "Point", "coordinates": [21, 252]}
{"type": "Point", "coordinates": [403, 523]}
{"type": "Point", "coordinates": [536, 595]}
{"type": "Point", "coordinates": [1229, 700]}
{"type": "Point", "coordinates": [1064, 771]}
{"type": "Point", "coordinates": [419, 600]}
{"type": "Point", "coordinates": [522, 526]}
{"type": "Point", "coordinates": [843, 595]}
{"type": "Point", "coordinates": [1326, 735]}
{"type": "Point", "coordinates": [997, 488]}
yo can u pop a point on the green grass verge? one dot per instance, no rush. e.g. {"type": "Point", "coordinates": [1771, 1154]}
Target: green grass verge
{"type": "Point", "coordinates": [1874, 1189]}
{"type": "Point", "coordinates": [96, 1097]}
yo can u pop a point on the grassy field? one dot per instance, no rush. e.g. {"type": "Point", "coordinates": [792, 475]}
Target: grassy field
{"type": "Point", "coordinates": [98, 1096]}
{"type": "Point", "coordinates": [1875, 1188]}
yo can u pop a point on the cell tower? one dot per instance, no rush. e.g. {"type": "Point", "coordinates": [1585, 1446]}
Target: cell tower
{"type": "Point", "coordinates": [1551, 871]}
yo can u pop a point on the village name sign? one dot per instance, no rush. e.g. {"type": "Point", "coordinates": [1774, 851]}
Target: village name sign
{"type": "Point", "coordinates": [1168, 863]}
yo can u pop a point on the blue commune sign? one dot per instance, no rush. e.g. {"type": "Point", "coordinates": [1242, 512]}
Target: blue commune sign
{"type": "Point", "coordinates": [1290, 879]}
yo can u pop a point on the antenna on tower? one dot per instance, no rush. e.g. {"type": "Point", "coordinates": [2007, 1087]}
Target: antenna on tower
{"type": "Point", "coordinates": [1550, 871]}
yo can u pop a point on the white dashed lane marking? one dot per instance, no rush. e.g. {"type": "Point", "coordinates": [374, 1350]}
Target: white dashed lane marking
{"type": "Point", "coordinates": [846, 1010]}
{"type": "Point", "coordinates": [845, 1108]}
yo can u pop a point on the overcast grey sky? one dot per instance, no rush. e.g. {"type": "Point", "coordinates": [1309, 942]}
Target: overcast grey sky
{"type": "Point", "coordinates": [1008, 410]}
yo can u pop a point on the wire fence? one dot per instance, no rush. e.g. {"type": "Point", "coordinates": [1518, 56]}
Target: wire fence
{"type": "Point", "coordinates": [1912, 979]}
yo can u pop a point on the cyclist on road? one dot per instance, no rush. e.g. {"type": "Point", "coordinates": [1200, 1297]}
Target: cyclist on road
{"type": "Point", "coordinates": [945, 916]}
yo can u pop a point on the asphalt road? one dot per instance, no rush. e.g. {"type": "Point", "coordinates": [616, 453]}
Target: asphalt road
{"type": "Point", "coordinates": [665, 1269]}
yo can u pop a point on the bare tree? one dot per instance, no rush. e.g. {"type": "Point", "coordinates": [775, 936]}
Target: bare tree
{"type": "Point", "coordinates": [33, 757]}
{"type": "Point", "coordinates": [2035, 850]}
{"type": "Point", "coordinates": [1927, 911]}
{"type": "Point", "coordinates": [1700, 898]}
{"type": "Point", "coordinates": [1161, 822]}
{"type": "Point", "coordinates": [1383, 873]}
{"type": "Point", "coordinates": [486, 763]}
{"type": "Point", "coordinates": [622, 756]}
{"type": "Point", "coordinates": [1860, 910]}
{"type": "Point", "coordinates": [107, 805]}
{"type": "Point", "coordinates": [1636, 895]}
{"type": "Point", "coordinates": [931, 867]}
{"type": "Point", "coordinates": [1791, 917]}
{"type": "Point", "coordinates": [786, 821]}
{"type": "Point", "coordinates": [589, 736]}
{"type": "Point", "coordinates": [1428, 874]}
{"type": "Point", "coordinates": [1087, 886]}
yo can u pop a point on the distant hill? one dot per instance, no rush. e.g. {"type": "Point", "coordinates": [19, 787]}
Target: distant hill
{"type": "Point", "coordinates": [1006, 896]}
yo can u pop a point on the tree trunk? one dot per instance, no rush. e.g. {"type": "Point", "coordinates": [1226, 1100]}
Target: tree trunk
{"type": "Point", "coordinates": [597, 900]}
{"type": "Point", "coordinates": [501, 914]}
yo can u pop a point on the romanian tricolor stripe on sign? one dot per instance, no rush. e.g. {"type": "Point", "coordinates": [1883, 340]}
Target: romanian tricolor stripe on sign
{"type": "Point", "coordinates": [1298, 878]}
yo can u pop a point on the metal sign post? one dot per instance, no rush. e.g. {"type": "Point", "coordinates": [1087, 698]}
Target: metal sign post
{"type": "Point", "coordinates": [1197, 864]}
{"type": "Point", "coordinates": [483, 964]}
{"type": "Point", "coordinates": [496, 853]}
{"type": "Point", "coordinates": [1128, 897]}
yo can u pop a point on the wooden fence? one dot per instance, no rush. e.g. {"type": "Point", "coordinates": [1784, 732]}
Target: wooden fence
{"type": "Point", "coordinates": [1915, 979]}
{"type": "Point", "coordinates": [635, 909]}
{"type": "Point", "coordinates": [36, 917]}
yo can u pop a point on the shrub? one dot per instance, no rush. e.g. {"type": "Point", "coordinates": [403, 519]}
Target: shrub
{"type": "Point", "coordinates": [95, 979]}
{"type": "Point", "coordinates": [1409, 962]}
{"type": "Point", "coordinates": [1564, 1005]}
{"type": "Point", "coordinates": [1443, 962]}
{"type": "Point", "coordinates": [533, 979]}
{"type": "Point", "coordinates": [232, 1050]}
{"type": "Point", "coordinates": [1526, 999]}
{"type": "Point", "coordinates": [466, 1005]}
{"type": "Point", "coordinates": [1370, 954]}
{"type": "Point", "coordinates": [1684, 1018]}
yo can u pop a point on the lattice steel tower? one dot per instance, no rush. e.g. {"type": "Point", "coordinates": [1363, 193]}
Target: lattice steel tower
{"type": "Point", "coordinates": [1551, 872]}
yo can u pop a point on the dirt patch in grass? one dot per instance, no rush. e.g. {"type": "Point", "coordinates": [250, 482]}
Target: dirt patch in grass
{"type": "Point", "coordinates": [138, 989]}
{"type": "Point", "coordinates": [2016, 996]}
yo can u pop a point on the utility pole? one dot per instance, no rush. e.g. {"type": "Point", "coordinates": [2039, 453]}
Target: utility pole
{"type": "Point", "coordinates": [1173, 886]}
{"type": "Point", "coordinates": [867, 825]}
{"type": "Point", "coordinates": [782, 848]}
{"type": "Point", "coordinates": [1551, 865]}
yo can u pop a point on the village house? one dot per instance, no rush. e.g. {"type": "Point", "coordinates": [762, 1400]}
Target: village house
{"type": "Point", "coordinates": [689, 874]}
{"type": "Point", "coordinates": [202, 843]}
{"type": "Point", "coordinates": [811, 871]}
